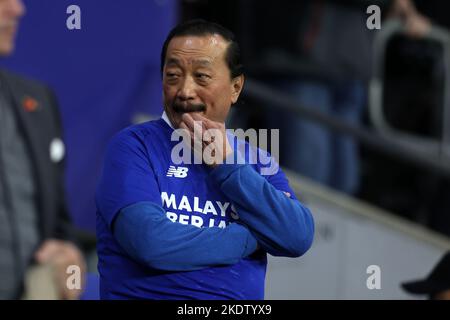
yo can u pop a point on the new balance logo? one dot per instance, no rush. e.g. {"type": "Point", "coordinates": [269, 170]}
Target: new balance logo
{"type": "Point", "coordinates": [180, 172]}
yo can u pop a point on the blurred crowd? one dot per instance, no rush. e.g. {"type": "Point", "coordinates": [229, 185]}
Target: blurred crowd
{"type": "Point", "coordinates": [322, 54]}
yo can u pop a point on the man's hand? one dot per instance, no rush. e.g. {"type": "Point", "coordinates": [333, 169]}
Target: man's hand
{"type": "Point", "coordinates": [60, 255]}
{"type": "Point", "coordinates": [208, 138]}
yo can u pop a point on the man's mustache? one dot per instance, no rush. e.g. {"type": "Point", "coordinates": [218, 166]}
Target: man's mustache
{"type": "Point", "coordinates": [185, 108]}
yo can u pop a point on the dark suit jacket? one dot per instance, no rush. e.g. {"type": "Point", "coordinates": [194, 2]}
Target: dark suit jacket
{"type": "Point", "coordinates": [36, 109]}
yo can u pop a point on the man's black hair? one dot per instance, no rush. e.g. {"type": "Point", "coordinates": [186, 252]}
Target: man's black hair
{"type": "Point", "coordinates": [199, 27]}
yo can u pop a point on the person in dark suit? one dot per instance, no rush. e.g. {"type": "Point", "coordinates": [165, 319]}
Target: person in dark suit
{"type": "Point", "coordinates": [34, 224]}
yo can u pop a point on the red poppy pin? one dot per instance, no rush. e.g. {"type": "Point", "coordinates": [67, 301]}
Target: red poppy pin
{"type": "Point", "coordinates": [30, 104]}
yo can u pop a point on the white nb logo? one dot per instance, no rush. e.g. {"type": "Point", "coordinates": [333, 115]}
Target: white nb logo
{"type": "Point", "coordinates": [180, 172]}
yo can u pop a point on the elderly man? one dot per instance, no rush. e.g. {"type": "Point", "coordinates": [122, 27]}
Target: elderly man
{"type": "Point", "coordinates": [34, 225]}
{"type": "Point", "coordinates": [200, 229]}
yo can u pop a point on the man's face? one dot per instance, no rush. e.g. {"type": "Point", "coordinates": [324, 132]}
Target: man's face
{"type": "Point", "coordinates": [196, 78]}
{"type": "Point", "coordinates": [10, 13]}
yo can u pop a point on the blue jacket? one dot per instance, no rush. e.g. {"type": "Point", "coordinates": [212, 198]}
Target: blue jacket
{"type": "Point", "coordinates": [171, 231]}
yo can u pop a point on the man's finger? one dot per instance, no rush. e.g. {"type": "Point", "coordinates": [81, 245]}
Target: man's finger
{"type": "Point", "coordinates": [207, 123]}
{"type": "Point", "coordinates": [197, 116]}
{"type": "Point", "coordinates": [187, 119]}
{"type": "Point", "coordinates": [184, 126]}
{"type": "Point", "coordinates": [198, 119]}
{"type": "Point", "coordinates": [189, 132]}
{"type": "Point", "coordinates": [195, 127]}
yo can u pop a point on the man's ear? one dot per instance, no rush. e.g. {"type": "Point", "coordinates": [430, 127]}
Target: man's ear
{"type": "Point", "coordinates": [236, 87]}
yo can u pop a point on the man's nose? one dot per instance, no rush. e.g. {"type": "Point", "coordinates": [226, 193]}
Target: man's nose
{"type": "Point", "coordinates": [187, 89]}
{"type": "Point", "coordinates": [15, 8]}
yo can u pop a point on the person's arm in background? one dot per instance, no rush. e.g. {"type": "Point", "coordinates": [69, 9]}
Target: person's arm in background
{"type": "Point", "coordinates": [128, 198]}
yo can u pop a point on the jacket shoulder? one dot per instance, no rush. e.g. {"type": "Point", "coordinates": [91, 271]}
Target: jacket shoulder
{"type": "Point", "coordinates": [18, 80]}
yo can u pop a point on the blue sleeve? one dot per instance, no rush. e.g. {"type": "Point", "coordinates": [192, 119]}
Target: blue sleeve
{"type": "Point", "coordinates": [147, 235]}
{"type": "Point", "coordinates": [282, 225]}
{"type": "Point", "coordinates": [127, 176]}
{"type": "Point", "coordinates": [129, 200]}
